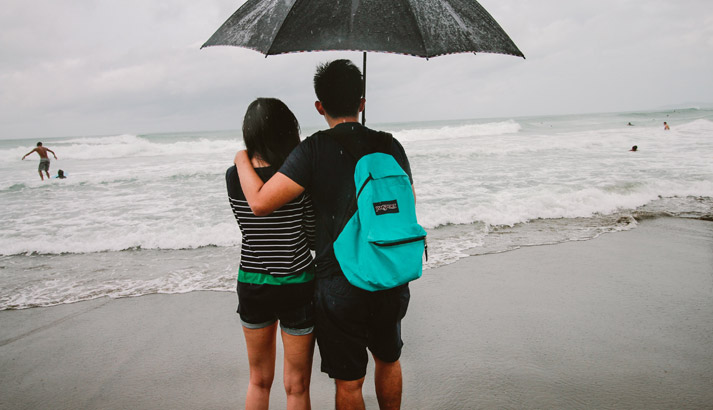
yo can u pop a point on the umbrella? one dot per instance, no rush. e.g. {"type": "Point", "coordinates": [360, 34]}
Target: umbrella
{"type": "Point", "coordinates": [423, 28]}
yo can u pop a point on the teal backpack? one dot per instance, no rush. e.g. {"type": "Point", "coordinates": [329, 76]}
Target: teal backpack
{"type": "Point", "coordinates": [381, 245]}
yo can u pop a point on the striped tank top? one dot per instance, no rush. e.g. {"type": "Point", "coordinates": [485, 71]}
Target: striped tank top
{"type": "Point", "coordinates": [275, 249]}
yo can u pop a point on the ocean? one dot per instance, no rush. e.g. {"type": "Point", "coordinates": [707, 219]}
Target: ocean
{"type": "Point", "coordinates": [143, 214]}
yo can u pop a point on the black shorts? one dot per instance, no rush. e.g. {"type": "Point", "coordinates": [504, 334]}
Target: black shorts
{"type": "Point", "coordinates": [350, 320]}
{"type": "Point", "coordinates": [260, 306]}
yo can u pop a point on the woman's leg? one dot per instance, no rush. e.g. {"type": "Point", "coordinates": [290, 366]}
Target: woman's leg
{"type": "Point", "coordinates": [261, 356]}
{"type": "Point", "coordinates": [298, 369]}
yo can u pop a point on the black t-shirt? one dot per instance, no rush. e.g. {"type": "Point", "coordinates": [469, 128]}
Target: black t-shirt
{"type": "Point", "coordinates": [325, 169]}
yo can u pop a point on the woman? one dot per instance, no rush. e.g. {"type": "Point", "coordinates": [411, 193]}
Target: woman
{"type": "Point", "coordinates": [275, 280]}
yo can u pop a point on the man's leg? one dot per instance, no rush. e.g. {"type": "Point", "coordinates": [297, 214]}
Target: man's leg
{"type": "Point", "coordinates": [42, 177]}
{"type": "Point", "coordinates": [385, 345]}
{"type": "Point", "coordinates": [343, 315]}
{"type": "Point", "coordinates": [388, 383]}
{"type": "Point", "coordinates": [349, 396]}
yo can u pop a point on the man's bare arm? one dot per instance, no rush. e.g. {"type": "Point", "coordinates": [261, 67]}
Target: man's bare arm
{"type": "Point", "coordinates": [264, 198]}
{"type": "Point", "coordinates": [29, 153]}
{"type": "Point", "coordinates": [55, 155]}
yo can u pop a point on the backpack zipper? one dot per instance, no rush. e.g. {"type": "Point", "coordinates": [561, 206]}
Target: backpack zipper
{"type": "Point", "coordinates": [405, 241]}
{"type": "Point", "coordinates": [419, 238]}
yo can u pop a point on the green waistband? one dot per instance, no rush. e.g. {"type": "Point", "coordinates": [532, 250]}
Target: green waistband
{"type": "Point", "coordinates": [266, 279]}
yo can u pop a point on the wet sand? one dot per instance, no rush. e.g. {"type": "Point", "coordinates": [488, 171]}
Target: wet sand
{"type": "Point", "coordinates": [621, 321]}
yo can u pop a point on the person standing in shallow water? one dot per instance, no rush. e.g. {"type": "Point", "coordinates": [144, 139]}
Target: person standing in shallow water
{"type": "Point", "coordinates": [665, 126]}
{"type": "Point", "coordinates": [275, 278]}
{"type": "Point", "coordinates": [44, 159]}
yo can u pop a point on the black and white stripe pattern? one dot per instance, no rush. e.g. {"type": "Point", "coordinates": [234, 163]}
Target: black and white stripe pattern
{"type": "Point", "coordinates": [278, 244]}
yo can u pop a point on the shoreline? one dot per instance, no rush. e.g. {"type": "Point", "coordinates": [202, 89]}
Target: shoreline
{"type": "Point", "coordinates": [623, 320]}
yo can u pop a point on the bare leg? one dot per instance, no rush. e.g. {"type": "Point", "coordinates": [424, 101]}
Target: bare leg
{"type": "Point", "coordinates": [388, 382]}
{"type": "Point", "coordinates": [298, 369]}
{"type": "Point", "coordinates": [349, 396]}
{"type": "Point", "coordinates": [48, 174]}
{"type": "Point", "coordinates": [261, 356]}
{"type": "Point", "coordinates": [42, 176]}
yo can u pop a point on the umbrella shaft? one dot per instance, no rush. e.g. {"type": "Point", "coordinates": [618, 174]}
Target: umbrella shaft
{"type": "Point", "coordinates": [363, 113]}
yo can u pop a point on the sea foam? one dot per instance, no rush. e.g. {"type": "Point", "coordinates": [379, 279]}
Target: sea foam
{"type": "Point", "coordinates": [149, 213]}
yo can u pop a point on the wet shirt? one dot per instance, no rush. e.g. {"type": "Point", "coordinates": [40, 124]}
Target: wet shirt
{"type": "Point", "coordinates": [325, 169]}
{"type": "Point", "coordinates": [275, 248]}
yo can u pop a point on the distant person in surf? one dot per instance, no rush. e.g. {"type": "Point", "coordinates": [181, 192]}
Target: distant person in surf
{"type": "Point", "coordinates": [60, 174]}
{"type": "Point", "coordinates": [665, 126]}
{"type": "Point", "coordinates": [634, 148]}
{"type": "Point", "coordinates": [44, 159]}
{"type": "Point", "coordinates": [630, 124]}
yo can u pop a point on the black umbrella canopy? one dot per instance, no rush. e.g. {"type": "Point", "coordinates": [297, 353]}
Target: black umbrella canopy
{"type": "Point", "coordinates": [424, 28]}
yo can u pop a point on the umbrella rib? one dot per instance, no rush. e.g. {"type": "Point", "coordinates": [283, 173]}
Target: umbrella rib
{"type": "Point", "coordinates": [418, 27]}
{"type": "Point", "coordinates": [292, 7]}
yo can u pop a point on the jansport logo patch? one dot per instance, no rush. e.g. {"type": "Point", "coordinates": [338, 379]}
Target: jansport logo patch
{"type": "Point", "coordinates": [386, 207]}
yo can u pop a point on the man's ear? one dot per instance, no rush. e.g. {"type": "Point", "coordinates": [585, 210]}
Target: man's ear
{"type": "Point", "coordinates": [362, 104]}
{"type": "Point", "coordinates": [318, 106]}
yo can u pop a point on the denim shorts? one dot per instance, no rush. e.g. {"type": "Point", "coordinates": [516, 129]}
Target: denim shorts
{"type": "Point", "coordinates": [260, 306]}
{"type": "Point", "coordinates": [350, 320]}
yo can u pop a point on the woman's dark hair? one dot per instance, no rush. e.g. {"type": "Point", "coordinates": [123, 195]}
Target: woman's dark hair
{"type": "Point", "coordinates": [339, 88]}
{"type": "Point", "coordinates": [270, 131]}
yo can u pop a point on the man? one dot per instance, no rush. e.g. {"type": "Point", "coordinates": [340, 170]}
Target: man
{"type": "Point", "coordinates": [665, 126]}
{"type": "Point", "coordinates": [349, 320]}
{"type": "Point", "coordinates": [44, 159]}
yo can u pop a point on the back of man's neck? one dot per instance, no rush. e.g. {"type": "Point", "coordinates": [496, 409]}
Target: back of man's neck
{"type": "Point", "coordinates": [333, 122]}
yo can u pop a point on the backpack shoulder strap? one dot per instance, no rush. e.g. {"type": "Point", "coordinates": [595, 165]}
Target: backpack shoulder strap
{"type": "Point", "coordinates": [376, 141]}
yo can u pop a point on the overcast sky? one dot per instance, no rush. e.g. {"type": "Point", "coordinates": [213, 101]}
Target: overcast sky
{"type": "Point", "coordinates": [98, 67]}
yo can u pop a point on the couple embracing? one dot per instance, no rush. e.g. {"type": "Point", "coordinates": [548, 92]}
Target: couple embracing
{"type": "Point", "coordinates": [290, 197]}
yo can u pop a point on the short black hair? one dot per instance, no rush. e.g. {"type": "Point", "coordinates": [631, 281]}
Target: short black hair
{"type": "Point", "coordinates": [339, 87]}
{"type": "Point", "coordinates": [270, 131]}
{"type": "Point", "coordinates": [39, 144]}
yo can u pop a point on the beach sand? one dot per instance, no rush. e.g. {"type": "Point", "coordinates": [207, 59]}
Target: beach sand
{"type": "Point", "coordinates": [621, 321]}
